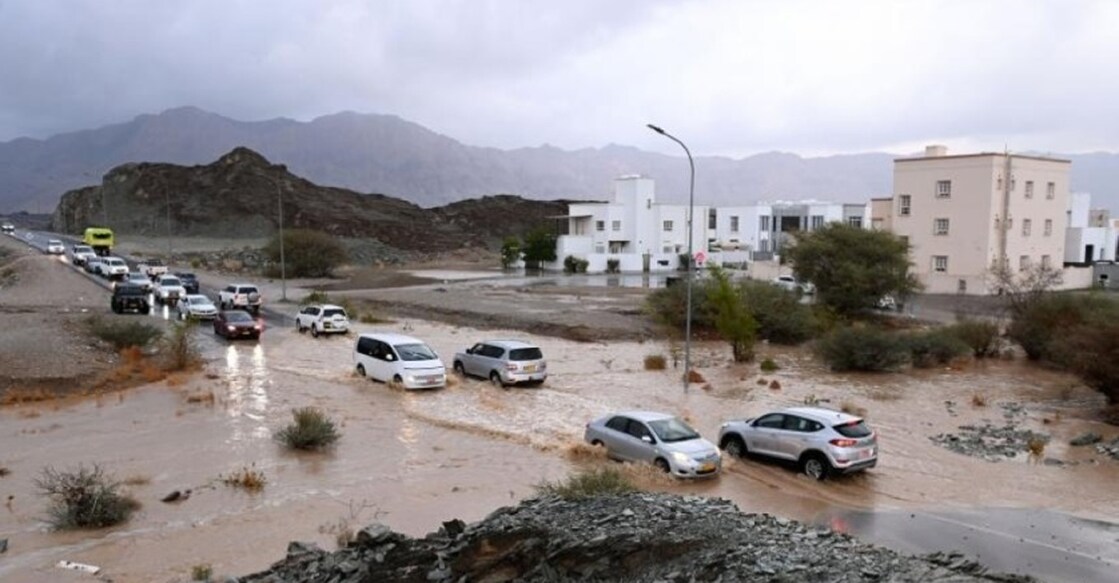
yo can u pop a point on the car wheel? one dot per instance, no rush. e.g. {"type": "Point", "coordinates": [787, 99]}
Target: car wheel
{"type": "Point", "coordinates": [816, 467]}
{"type": "Point", "coordinates": [495, 379]}
{"type": "Point", "coordinates": [256, 310]}
{"type": "Point", "coordinates": [397, 382]}
{"type": "Point", "coordinates": [361, 370]}
{"type": "Point", "coordinates": [459, 369]}
{"type": "Point", "coordinates": [314, 331]}
{"type": "Point", "coordinates": [597, 443]}
{"type": "Point", "coordinates": [734, 446]}
{"type": "Point", "coordinates": [662, 465]}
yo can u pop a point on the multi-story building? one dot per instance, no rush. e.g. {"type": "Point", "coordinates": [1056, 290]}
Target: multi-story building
{"type": "Point", "coordinates": [965, 215]}
{"type": "Point", "coordinates": [1092, 235]}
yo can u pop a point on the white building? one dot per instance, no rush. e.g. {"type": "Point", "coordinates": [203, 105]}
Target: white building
{"type": "Point", "coordinates": [1091, 235]}
{"type": "Point", "coordinates": [641, 234]}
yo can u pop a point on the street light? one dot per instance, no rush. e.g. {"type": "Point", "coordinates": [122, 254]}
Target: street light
{"type": "Point", "coordinates": [283, 264]}
{"type": "Point", "coordinates": [168, 192]}
{"type": "Point", "coordinates": [691, 259]}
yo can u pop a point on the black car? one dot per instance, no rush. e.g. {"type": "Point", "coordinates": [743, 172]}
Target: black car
{"type": "Point", "coordinates": [237, 324]}
{"type": "Point", "coordinates": [128, 297]}
{"type": "Point", "coordinates": [189, 281]}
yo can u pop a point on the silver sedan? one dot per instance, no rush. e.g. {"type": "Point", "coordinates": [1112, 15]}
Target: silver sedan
{"type": "Point", "coordinates": [657, 438]}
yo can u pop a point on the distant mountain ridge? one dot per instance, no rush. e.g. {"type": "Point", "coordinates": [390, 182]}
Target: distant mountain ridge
{"type": "Point", "coordinates": [389, 155]}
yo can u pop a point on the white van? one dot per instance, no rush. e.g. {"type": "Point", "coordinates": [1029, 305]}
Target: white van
{"type": "Point", "coordinates": [400, 359]}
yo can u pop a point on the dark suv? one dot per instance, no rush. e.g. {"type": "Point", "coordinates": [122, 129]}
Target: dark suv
{"type": "Point", "coordinates": [127, 297]}
{"type": "Point", "coordinates": [189, 281]}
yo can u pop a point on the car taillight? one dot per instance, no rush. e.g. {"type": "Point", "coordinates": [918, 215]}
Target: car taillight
{"type": "Point", "coordinates": [231, 328]}
{"type": "Point", "coordinates": [844, 442]}
{"type": "Point", "coordinates": [510, 366]}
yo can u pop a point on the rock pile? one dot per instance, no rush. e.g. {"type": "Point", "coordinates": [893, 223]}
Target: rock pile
{"type": "Point", "coordinates": [632, 537]}
{"type": "Point", "coordinates": [990, 442]}
{"type": "Point", "coordinates": [1110, 448]}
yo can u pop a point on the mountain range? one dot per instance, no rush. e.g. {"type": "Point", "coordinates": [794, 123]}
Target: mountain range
{"type": "Point", "coordinates": [388, 155]}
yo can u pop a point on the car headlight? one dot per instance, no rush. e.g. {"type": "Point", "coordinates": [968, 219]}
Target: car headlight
{"type": "Point", "coordinates": [681, 458]}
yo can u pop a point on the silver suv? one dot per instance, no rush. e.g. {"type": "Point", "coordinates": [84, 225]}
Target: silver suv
{"type": "Point", "coordinates": [820, 441]}
{"type": "Point", "coordinates": [657, 438]}
{"type": "Point", "coordinates": [503, 362]}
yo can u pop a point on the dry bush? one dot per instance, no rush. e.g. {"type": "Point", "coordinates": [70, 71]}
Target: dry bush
{"type": "Point", "coordinates": [604, 481]}
{"type": "Point", "coordinates": [203, 572]}
{"type": "Point", "coordinates": [1036, 446]}
{"type": "Point", "coordinates": [131, 356]}
{"type": "Point", "coordinates": [768, 365]}
{"type": "Point", "coordinates": [84, 498]}
{"type": "Point", "coordinates": [695, 377]}
{"type": "Point", "coordinates": [206, 398]}
{"type": "Point", "coordinates": [647, 476]}
{"type": "Point", "coordinates": [850, 408]}
{"type": "Point", "coordinates": [181, 352]}
{"type": "Point", "coordinates": [152, 373]}
{"type": "Point", "coordinates": [137, 480]}
{"type": "Point", "coordinates": [4, 471]}
{"type": "Point", "coordinates": [583, 451]}
{"type": "Point", "coordinates": [762, 382]}
{"type": "Point", "coordinates": [248, 478]}
{"type": "Point", "coordinates": [17, 396]}
{"type": "Point", "coordinates": [372, 318]}
{"type": "Point", "coordinates": [122, 334]}
{"type": "Point", "coordinates": [343, 528]}
{"type": "Point", "coordinates": [655, 362]}
{"type": "Point", "coordinates": [978, 400]}
{"type": "Point", "coordinates": [311, 429]}
{"type": "Point", "coordinates": [775, 385]}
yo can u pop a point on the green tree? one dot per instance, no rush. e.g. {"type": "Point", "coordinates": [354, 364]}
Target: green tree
{"type": "Point", "coordinates": [307, 253]}
{"type": "Point", "coordinates": [852, 268]}
{"type": "Point", "coordinates": [540, 246]}
{"type": "Point", "coordinates": [731, 316]}
{"type": "Point", "coordinates": [510, 251]}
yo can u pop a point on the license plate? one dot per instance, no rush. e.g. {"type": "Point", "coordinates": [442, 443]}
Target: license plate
{"type": "Point", "coordinates": [708, 467]}
{"type": "Point", "coordinates": [530, 368]}
{"type": "Point", "coordinates": [864, 454]}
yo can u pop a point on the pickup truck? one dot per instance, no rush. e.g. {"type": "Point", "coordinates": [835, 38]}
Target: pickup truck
{"type": "Point", "coordinates": [153, 267]}
{"type": "Point", "coordinates": [130, 297]}
{"type": "Point", "coordinates": [81, 253]}
{"type": "Point", "coordinates": [167, 290]}
{"type": "Point", "coordinates": [244, 296]}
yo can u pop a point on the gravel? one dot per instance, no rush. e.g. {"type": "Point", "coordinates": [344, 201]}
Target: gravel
{"type": "Point", "coordinates": [990, 442]}
{"type": "Point", "coordinates": [1110, 448]}
{"type": "Point", "coordinates": [632, 537]}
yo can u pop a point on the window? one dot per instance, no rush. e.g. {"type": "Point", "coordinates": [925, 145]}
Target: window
{"type": "Point", "coordinates": [1013, 184]}
{"type": "Point", "coordinates": [940, 226]}
{"type": "Point", "coordinates": [817, 222]}
{"type": "Point", "coordinates": [1029, 189]}
{"type": "Point", "coordinates": [1027, 226]}
{"type": "Point", "coordinates": [668, 226]}
{"type": "Point", "coordinates": [618, 423]}
{"type": "Point", "coordinates": [961, 286]}
{"type": "Point", "coordinates": [616, 226]}
{"type": "Point", "coordinates": [600, 247]}
{"type": "Point", "coordinates": [1048, 227]}
{"type": "Point", "coordinates": [856, 222]}
{"type": "Point", "coordinates": [771, 421]}
{"type": "Point", "coordinates": [940, 263]}
{"type": "Point", "coordinates": [734, 224]}
{"type": "Point", "coordinates": [943, 188]}
{"type": "Point", "coordinates": [904, 201]}
{"type": "Point", "coordinates": [1051, 190]}
{"type": "Point", "coordinates": [1000, 183]}
{"type": "Point", "coordinates": [668, 249]}
{"type": "Point", "coordinates": [763, 224]}
{"type": "Point", "coordinates": [1023, 263]}
{"type": "Point", "coordinates": [712, 219]}
{"type": "Point", "coordinates": [1046, 263]}
{"type": "Point", "coordinates": [600, 226]}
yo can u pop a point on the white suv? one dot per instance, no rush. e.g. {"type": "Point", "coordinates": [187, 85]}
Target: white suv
{"type": "Point", "coordinates": [322, 319]}
{"type": "Point", "coordinates": [243, 296]}
{"type": "Point", "coordinates": [168, 290]}
{"type": "Point", "coordinates": [112, 267]}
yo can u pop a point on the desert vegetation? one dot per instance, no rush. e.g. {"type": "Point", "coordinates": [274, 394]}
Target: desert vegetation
{"type": "Point", "coordinates": [310, 429]}
{"type": "Point", "coordinates": [84, 497]}
{"type": "Point", "coordinates": [180, 350]}
{"type": "Point", "coordinates": [307, 253]}
{"type": "Point", "coordinates": [123, 334]}
{"type": "Point", "coordinates": [602, 481]}
{"type": "Point", "coordinates": [247, 478]}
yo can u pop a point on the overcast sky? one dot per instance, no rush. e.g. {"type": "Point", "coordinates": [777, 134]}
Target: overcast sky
{"type": "Point", "coordinates": [730, 77]}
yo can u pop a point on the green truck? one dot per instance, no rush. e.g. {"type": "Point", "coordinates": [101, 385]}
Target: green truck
{"type": "Point", "coordinates": [100, 238]}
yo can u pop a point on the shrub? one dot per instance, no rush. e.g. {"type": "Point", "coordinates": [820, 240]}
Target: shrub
{"type": "Point", "coordinates": [1039, 323]}
{"type": "Point", "coordinates": [539, 246]}
{"type": "Point", "coordinates": [863, 349]}
{"type": "Point", "coordinates": [123, 333]}
{"type": "Point", "coordinates": [572, 264]}
{"type": "Point", "coordinates": [933, 347]}
{"type": "Point", "coordinates": [510, 251]}
{"type": "Point", "coordinates": [1093, 355]}
{"type": "Point", "coordinates": [315, 297]}
{"type": "Point", "coordinates": [605, 481]}
{"type": "Point", "coordinates": [248, 478]}
{"type": "Point", "coordinates": [732, 319]}
{"type": "Point", "coordinates": [202, 572]}
{"type": "Point", "coordinates": [84, 498]}
{"type": "Point", "coordinates": [768, 365]}
{"type": "Point", "coordinates": [979, 335]}
{"type": "Point", "coordinates": [182, 353]}
{"type": "Point", "coordinates": [613, 265]}
{"type": "Point", "coordinates": [781, 317]}
{"type": "Point", "coordinates": [307, 253]}
{"type": "Point", "coordinates": [655, 362]}
{"type": "Point", "coordinates": [311, 429]}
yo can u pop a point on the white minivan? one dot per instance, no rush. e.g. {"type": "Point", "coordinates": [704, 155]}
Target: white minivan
{"type": "Point", "coordinates": [399, 359]}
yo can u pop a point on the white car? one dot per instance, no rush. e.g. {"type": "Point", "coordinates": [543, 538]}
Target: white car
{"type": "Point", "coordinates": [197, 306]}
{"type": "Point", "coordinates": [153, 267]}
{"type": "Point", "coordinates": [168, 290]}
{"type": "Point", "coordinates": [112, 267]}
{"type": "Point", "coordinates": [789, 283]}
{"type": "Point", "coordinates": [55, 247]}
{"type": "Point", "coordinates": [322, 319]}
{"type": "Point", "coordinates": [660, 439]}
{"type": "Point", "coordinates": [81, 253]}
{"type": "Point", "coordinates": [402, 360]}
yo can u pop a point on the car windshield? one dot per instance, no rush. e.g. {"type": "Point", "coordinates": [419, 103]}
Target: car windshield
{"type": "Point", "coordinates": [154, 262]}
{"type": "Point", "coordinates": [237, 317]}
{"type": "Point", "coordinates": [83, 249]}
{"type": "Point", "coordinates": [185, 276]}
{"type": "Point", "coordinates": [853, 429]}
{"type": "Point", "coordinates": [198, 299]}
{"type": "Point", "coordinates": [415, 352]}
{"type": "Point", "coordinates": [169, 281]}
{"type": "Point", "coordinates": [247, 290]}
{"type": "Point", "coordinates": [138, 276]}
{"type": "Point", "coordinates": [54, 242]}
{"type": "Point", "coordinates": [526, 354]}
{"type": "Point", "coordinates": [115, 262]}
{"type": "Point", "coordinates": [331, 312]}
{"type": "Point", "coordinates": [670, 430]}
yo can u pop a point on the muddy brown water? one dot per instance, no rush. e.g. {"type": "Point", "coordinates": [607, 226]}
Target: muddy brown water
{"type": "Point", "coordinates": [414, 459]}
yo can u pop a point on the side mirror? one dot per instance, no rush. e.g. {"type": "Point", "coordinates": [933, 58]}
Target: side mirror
{"type": "Point", "coordinates": [647, 439]}
{"type": "Point", "coordinates": [390, 357]}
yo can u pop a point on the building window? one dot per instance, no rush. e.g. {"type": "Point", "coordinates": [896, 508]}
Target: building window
{"type": "Point", "coordinates": [940, 226]}
{"type": "Point", "coordinates": [616, 225]}
{"type": "Point", "coordinates": [943, 188]}
{"type": "Point", "coordinates": [1000, 183]}
{"type": "Point", "coordinates": [1013, 184]}
{"type": "Point", "coordinates": [668, 249]}
{"type": "Point", "coordinates": [600, 248]}
{"type": "Point", "coordinates": [712, 219]}
{"type": "Point", "coordinates": [817, 222]}
{"type": "Point", "coordinates": [1029, 189]}
{"type": "Point", "coordinates": [904, 201]}
{"type": "Point", "coordinates": [1027, 226]}
{"type": "Point", "coordinates": [600, 226]}
{"type": "Point", "coordinates": [856, 222]}
{"type": "Point", "coordinates": [940, 263]}
{"type": "Point", "coordinates": [1023, 263]}
{"type": "Point", "coordinates": [961, 286]}
{"type": "Point", "coordinates": [1048, 227]}
{"type": "Point", "coordinates": [763, 223]}
{"type": "Point", "coordinates": [1046, 263]}
{"type": "Point", "coordinates": [1051, 190]}
{"type": "Point", "coordinates": [668, 226]}
{"type": "Point", "coordinates": [734, 224]}
{"type": "Point", "coordinates": [617, 247]}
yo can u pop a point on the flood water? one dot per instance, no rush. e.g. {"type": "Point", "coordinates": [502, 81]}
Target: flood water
{"type": "Point", "coordinates": [415, 459]}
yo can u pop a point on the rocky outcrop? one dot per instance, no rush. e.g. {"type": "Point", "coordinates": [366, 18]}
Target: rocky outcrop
{"type": "Point", "coordinates": [239, 196]}
{"type": "Point", "coordinates": [634, 537]}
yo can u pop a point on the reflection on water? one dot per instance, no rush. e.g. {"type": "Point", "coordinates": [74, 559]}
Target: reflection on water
{"type": "Point", "coordinates": [247, 396]}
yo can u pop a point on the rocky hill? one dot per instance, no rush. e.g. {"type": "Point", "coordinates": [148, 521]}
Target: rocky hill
{"type": "Point", "coordinates": [239, 196]}
{"type": "Point", "coordinates": [633, 537]}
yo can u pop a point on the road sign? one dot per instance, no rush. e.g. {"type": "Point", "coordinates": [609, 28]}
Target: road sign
{"type": "Point", "coordinates": [700, 257]}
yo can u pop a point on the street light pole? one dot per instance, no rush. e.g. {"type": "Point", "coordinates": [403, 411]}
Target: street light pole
{"type": "Point", "coordinates": [691, 258]}
{"type": "Point", "coordinates": [168, 192]}
{"type": "Point", "coordinates": [283, 264]}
